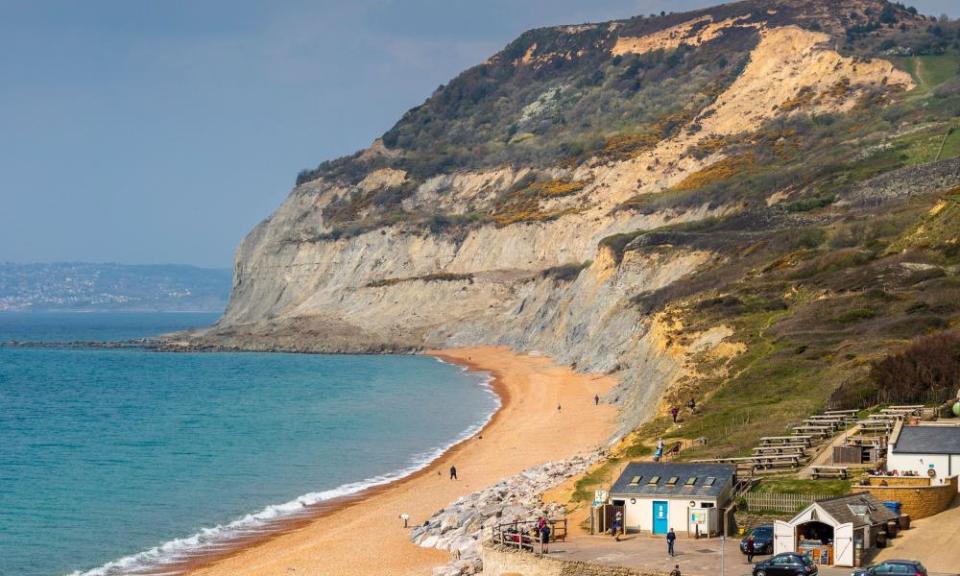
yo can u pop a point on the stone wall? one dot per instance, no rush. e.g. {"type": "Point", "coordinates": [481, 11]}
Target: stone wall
{"type": "Point", "coordinates": [504, 561]}
{"type": "Point", "coordinates": [913, 481]}
{"type": "Point", "coordinates": [918, 497]}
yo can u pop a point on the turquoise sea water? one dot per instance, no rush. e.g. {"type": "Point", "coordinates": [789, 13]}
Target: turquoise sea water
{"type": "Point", "coordinates": [115, 460]}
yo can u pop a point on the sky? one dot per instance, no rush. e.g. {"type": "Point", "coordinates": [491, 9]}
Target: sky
{"type": "Point", "coordinates": [147, 132]}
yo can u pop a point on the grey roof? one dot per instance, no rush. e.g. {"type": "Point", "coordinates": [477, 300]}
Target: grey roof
{"type": "Point", "coordinates": [928, 440]}
{"type": "Point", "coordinates": [722, 473]}
{"type": "Point", "coordinates": [844, 509]}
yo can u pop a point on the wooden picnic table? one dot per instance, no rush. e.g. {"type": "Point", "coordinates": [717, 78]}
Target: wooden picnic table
{"type": "Point", "coordinates": [785, 461]}
{"type": "Point", "coordinates": [829, 412]}
{"type": "Point", "coordinates": [778, 440]}
{"type": "Point", "coordinates": [826, 424]}
{"type": "Point", "coordinates": [769, 450]}
{"type": "Point", "coordinates": [822, 418]}
{"type": "Point", "coordinates": [898, 411]}
{"type": "Point", "coordinates": [818, 434]}
{"type": "Point", "coordinates": [829, 472]}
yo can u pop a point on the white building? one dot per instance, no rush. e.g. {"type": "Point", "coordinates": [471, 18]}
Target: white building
{"type": "Point", "coordinates": [831, 530]}
{"type": "Point", "coordinates": [932, 451]}
{"type": "Point", "coordinates": [690, 498]}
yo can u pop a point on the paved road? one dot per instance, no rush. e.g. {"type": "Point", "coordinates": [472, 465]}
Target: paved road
{"type": "Point", "coordinates": [702, 557]}
{"type": "Point", "coordinates": [935, 541]}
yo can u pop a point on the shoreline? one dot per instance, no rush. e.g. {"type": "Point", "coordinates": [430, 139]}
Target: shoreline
{"type": "Point", "coordinates": [315, 512]}
{"type": "Point", "coordinates": [313, 543]}
{"type": "Point", "coordinates": [210, 554]}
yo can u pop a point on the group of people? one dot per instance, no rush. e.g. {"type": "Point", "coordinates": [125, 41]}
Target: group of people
{"type": "Point", "coordinates": [675, 410]}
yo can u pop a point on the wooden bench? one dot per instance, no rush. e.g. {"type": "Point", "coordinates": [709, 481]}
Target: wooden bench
{"type": "Point", "coordinates": [834, 412]}
{"type": "Point", "coordinates": [839, 472]}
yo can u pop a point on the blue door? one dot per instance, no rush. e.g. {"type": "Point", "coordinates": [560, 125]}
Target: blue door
{"type": "Point", "coordinates": [660, 517]}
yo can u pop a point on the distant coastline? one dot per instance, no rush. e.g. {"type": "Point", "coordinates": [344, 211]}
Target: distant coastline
{"type": "Point", "coordinates": [80, 287]}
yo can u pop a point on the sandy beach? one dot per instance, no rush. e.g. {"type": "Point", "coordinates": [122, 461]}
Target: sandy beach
{"type": "Point", "coordinates": [365, 537]}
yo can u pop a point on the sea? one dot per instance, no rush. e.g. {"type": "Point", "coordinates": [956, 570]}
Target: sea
{"type": "Point", "coordinates": [125, 461]}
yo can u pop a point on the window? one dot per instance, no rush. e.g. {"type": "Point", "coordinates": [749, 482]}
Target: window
{"type": "Point", "coordinates": [635, 480]}
{"type": "Point", "coordinates": [673, 481]}
{"type": "Point", "coordinates": [690, 481]}
{"type": "Point", "coordinates": [654, 480]}
{"type": "Point", "coordinates": [710, 481]}
{"type": "Point", "coordinates": [857, 509]}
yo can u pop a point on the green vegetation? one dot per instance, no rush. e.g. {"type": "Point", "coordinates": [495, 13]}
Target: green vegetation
{"type": "Point", "coordinates": [795, 486]}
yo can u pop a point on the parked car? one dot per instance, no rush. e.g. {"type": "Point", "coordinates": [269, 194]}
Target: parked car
{"type": "Point", "coordinates": [786, 564]}
{"type": "Point", "coordinates": [893, 568]}
{"type": "Point", "coordinates": [762, 540]}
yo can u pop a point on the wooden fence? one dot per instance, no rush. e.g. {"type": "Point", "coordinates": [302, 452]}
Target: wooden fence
{"type": "Point", "coordinates": [524, 536]}
{"type": "Point", "coordinates": [780, 502]}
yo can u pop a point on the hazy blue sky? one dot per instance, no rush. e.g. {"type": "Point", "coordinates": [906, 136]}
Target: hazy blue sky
{"type": "Point", "coordinates": [162, 131]}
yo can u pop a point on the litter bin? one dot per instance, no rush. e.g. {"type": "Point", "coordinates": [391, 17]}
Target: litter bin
{"type": "Point", "coordinates": [904, 521]}
{"type": "Point", "coordinates": [893, 528]}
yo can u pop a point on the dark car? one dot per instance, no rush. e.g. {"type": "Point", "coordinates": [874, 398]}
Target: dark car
{"type": "Point", "coordinates": [762, 540]}
{"type": "Point", "coordinates": [786, 564]}
{"type": "Point", "coordinates": [893, 568]}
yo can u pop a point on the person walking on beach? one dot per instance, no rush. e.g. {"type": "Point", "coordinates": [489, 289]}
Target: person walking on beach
{"type": "Point", "coordinates": [674, 412]}
{"type": "Point", "coordinates": [596, 399]}
{"type": "Point", "coordinates": [751, 548]}
{"type": "Point", "coordinates": [453, 472]}
{"type": "Point", "coordinates": [406, 518]}
{"type": "Point", "coordinates": [559, 408]}
{"type": "Point", "coordinates": [671, 538]}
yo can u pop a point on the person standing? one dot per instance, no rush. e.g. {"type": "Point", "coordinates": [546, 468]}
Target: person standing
{"type": "Point", "coordinates": [559, 408]}
{"type": "Point", "coordinates": [617, 525]}
{"type": "Point", "coordinates": [751, 549]}
{"type": "Point", "coordinates": [544, 537]}
{"type": "Point", "coordinates": [674, 411]}
{"type": "Point", "coordinates": [692, 405]}
{"type": "Point", "coordinates": [671, 538]}
{"type": "Point", "coordinates": [453, 472]}
{"type": "Point", "coordinates": [596, 399]}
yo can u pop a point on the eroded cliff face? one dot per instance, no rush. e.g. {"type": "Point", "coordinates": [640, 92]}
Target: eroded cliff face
{"type": "Point", "coordinates": [536, 275]}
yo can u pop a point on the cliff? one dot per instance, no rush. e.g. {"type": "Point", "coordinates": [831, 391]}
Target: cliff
{"type": "Point", "coordinates": [584, 193]}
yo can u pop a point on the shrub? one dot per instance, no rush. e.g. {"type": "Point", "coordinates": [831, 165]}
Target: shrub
{"type": "Point", "coordinates": [928, 368]}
